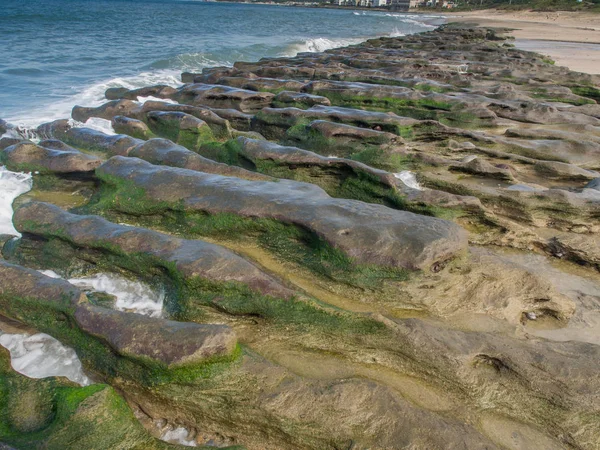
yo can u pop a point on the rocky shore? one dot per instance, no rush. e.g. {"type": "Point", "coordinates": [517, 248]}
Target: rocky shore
{"type": "Point", "coordinates": [393, 245]}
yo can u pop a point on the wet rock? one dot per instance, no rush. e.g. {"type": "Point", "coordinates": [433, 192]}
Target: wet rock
{"type": "Point", "coordinates": [299, 100]}
{"type": "Point", "coordinates": [3, 126]}
{"type": "Point", "coordinates": [131, 127]}
{"type": "Point", "coordinates": [368, 233]}
{"type": "Point", "coordinates": [94, 140]}
{"type": "Point", "coordinates": [21, 283]}
{"type": "Point", "coordinates": [6, 142]}
{"type": "Point", "coordinates": [158, 91]}
{"type": "Point", "coordinates": [564, 171]}
{"type": "Point", "coordinates": [53, 130]}
{"type": "Point", "coordinates": [46, 158]}
{"type": "Point", "coordinates": [172, 343]}
{"type": "Point", "coordinates": [181, 128]}
{"type": "Point", "coordinates": [272, 122]}
{"type": "Point", "coordinates": [107, 111]}
{"type": "Point", "coordinates": [253, 84]}
{"type": "Point", "coordinates": [218, 123]}
{"type": "Point", "coordinates": [192, 258]}
{"type": "Point", "coordinates": [165, 152]}
{"type": "Point", "coordinates": [480, 167]}
{"type": "Point", "coordinates": [127, 333]}
{"type": "Point", "coordinates": [216, 96]}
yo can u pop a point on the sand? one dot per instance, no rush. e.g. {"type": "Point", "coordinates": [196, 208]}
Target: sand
{"type": "Point", "coordinates": [572, 39]}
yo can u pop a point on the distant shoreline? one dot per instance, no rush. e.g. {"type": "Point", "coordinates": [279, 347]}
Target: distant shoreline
{"type": "Point", "coordinates": [571, 39]}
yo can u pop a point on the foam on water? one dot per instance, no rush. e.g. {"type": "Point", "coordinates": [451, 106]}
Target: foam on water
{"type": "Point", "coordinates": [178, 436]}
{"type": "Point", "coordinates": [12, 184]}
{"type": "Point", "coordinates": [143, 100]}
{"type": "Point", "coordinates": [319, 44]}
{"type": "Point", "coordinates": [132, 296]}
{"type": "Point", "coordinates": [409, 179]}
{"type": "Point", "coordinates": [92, 96]}
{"type": "Point", "coordinates": [41, 356]}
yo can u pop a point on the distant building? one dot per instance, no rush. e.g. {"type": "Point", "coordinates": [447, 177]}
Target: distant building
{"type": "Point", "coordinates": [399, 5]}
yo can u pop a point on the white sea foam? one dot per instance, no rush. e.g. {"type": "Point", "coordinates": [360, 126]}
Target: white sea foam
{"type": "Point", "coordinates": [92, 96]}
{"type": "Point", "coordinates": [319, 45]}
{"type": "Point", "coordinates": [12, 184]}
{"type": "Point", "coordinates": [409, 179]}
{"type": "Point", "coordinates": [41, 356]}
{"type": "Point", "coordinates": [131, 295]}
{"type": "Point", "coordinates": [150, 98]}
{"type": "Point", "coordinates": [95, 123]}
{"type": "Point", "coordinates": [178, 436]}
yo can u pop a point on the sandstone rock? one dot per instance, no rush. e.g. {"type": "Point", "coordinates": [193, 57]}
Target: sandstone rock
{"type": "Point", "coordinates": [564, 171]}
{"type": "Point", "coordinates": [19, 282]}
{"type": "Point", "coordinates": [171, 343]}
{"type": "Point", "coordinates": [299, 99]}
{"type": "Point", "coordinates": [216, 96]}
{"type": "Point", "coordinates": [106, 111]}
{"type": "Point", "coordinates": [272, 122]}
{"type": "Point", "coordinates": [192, 258]}
{"type": "Point", "coordinates": [43, 158]}
{"type": "Point", "coordinates": [6, 142]}
{"type": "Point", "coordinates": [111, 145]}
{"type": "Point", "coordinates": [165, 152]}
{"type": "Point", "coordinates": [481, 167]}
{"type": "Point", "coordinates": [131, 127]}
{"type": "Point", "coordinates": [182, 128]}
{"type": "Point", "coordinates": [368, 233]}
{"type": "Point", "coordinates": [159, 91]}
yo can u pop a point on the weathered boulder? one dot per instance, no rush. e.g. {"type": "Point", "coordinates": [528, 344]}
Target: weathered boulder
{"type": "Point", "coordinates": [133, 335]}
{"type": "Point", "coordinates": [131, 127]}
{"type": "Point", "coordinates": [367, 233]}
{"type": "Point", "coordinates": [6, 142]}
{"type": "Point", "coordinates": [46, 158]}
{"type": "Point", "coordinates": [21, 283]}
{"type": "Point", "coordinates": [219, 124]}
{"type": "Point", "coordinates": [171, 343]}
{"type": "Point", "coordinates": [191, 258]}
{"type": "Point", "coordinates": [253, 84]}
{"type": "Point", "coordinates": [554, 169]}
{"type": "Point", "coordinates": [165, 152]}
{"type": "Point", "coordinates": [180, 127]}
{"type": "Point", "coordinates": [158, 91]}
{"type": "Point", "coordinates": [273, 122]}
{"type": "Point", "coordinates": [94, 140]}
{"type": "Point", "coordinates": [216, 96]}
{"type": "Point", "coordinates": [299, 100]}
{"type": "Point", "coordinates": [322, 171]}
{"type": "Point", "coordinates": [107, 111]}
{"type": "Point", "coordinates": [479, 166]}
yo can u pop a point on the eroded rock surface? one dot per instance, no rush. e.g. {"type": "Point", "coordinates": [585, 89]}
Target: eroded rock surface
{"type": "Point", "coordinates": [402, 235]}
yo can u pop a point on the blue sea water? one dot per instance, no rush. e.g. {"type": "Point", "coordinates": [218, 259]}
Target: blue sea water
{"type": "Point", "coordinates": [58, 53]}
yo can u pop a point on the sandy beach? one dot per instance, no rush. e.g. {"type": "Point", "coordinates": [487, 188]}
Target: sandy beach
{"type": "Point", "coordinates": [572, 39]}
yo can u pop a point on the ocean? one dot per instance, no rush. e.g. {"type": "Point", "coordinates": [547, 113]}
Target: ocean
{"type": "Point", "coordinates": [59, 53]}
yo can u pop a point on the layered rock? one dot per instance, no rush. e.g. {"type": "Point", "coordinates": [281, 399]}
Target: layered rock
{"type": "Point", "coordinates": [25, 291]}
{"type": "Point", "coordinates": [190, 258]}
{"type": "Point", "coordinates": [368, 233]}
{"type": "Point", "coordinates": [48, 157]}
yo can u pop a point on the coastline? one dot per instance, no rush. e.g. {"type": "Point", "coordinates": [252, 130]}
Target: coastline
{"type": "Point", "coordinates": [571, 39]}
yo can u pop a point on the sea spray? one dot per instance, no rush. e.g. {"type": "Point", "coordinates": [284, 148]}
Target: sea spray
{"type": "Point", "coordinates": [12, 184]}
{"type": "Point", "coordinates": [40, 356]}
{"type": "Point", "coordinates": [130, 295]}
